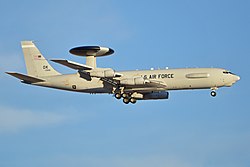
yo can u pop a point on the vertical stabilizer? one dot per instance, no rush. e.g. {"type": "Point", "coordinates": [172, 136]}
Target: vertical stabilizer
{"type": "Point", "coordinates": [36, 64]}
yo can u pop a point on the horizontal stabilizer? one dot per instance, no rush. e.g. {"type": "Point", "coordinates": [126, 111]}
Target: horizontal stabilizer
{"type": "Point", "coordinates": [73, 65]}
{"type": "Point", "coordinates": [25, 78]}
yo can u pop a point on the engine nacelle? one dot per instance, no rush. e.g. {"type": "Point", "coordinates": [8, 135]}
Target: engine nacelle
{"type": "Point", "coordinates": [104, 73]}
{"type": "Point", "coordinates": [156, 95]}
{"type": "Point", "coordinates": [134, 81]}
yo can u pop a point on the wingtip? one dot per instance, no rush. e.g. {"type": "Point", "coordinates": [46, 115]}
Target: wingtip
{"type": "Point", "coordinates": [52, 60]}
{"type": "Point", "coordinates": [8, 72]}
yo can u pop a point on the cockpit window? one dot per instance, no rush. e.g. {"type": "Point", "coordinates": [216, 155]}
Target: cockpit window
{"type": "Point", "coordinates": [228, 72]}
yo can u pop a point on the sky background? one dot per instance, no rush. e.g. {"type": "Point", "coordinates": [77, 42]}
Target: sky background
{"type": "Point", "coordinates": [45, 127]}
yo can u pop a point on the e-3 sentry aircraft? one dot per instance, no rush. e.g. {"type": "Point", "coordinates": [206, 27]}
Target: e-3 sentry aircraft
{"type": "Point", "coordinates": [129, 85]}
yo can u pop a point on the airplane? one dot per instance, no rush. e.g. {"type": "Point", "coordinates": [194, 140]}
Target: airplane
{"type": "Point", "coordinates": [128, 85]}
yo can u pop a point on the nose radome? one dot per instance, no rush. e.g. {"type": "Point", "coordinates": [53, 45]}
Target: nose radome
{"type": "Point", "coordinates": [237, 77]}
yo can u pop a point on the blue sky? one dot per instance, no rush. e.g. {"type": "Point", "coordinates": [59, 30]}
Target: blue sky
{"type": "Point", "coordinates": [46, 127]}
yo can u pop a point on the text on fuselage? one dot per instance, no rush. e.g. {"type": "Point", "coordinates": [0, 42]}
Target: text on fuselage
{"type": "Point", "coordinates": [158, 76]}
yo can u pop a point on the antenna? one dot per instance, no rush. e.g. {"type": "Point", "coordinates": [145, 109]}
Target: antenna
{"type": "Point", "coordinates": [91, 52]}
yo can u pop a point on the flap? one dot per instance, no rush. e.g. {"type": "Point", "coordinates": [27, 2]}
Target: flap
{"type": "Point", "coordinates": [25, 78]}
{"type": "Point", "coordinates": [158, 84]}
{"type": "Point", "coordinates": [73, 65]}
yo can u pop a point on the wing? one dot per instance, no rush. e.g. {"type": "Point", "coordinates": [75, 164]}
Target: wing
{"type": "Point", "coordinates": [149, 86]}
{"type": "Point", "coordinates": [111, 77]}
{"type": "Point", "coordinates": [87, 72]}
{"type": "Point", "coordinates": [73, 65]}
{"type": "Point", "coordinates": [152, 85]}
{"type": "Point", "coordinates": [158, 84]}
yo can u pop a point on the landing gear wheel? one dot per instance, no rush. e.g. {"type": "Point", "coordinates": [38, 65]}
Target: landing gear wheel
{"type": "Point", "coordinates": [213, 93]}
{"type": "Point", "coordinates": [126, 100]}
{"type": "Point", "coordinates": [118, 95]}
{"type": "Point", "coordinates": [125, 95]}
{"type": "Point", "coordinates": [133, 100]}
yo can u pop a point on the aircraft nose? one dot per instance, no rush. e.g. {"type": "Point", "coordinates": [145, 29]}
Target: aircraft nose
{"type": "Point", "coordinates": [237, 78]}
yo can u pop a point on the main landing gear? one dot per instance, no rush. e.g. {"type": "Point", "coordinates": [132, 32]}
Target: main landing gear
{"type": "Point", "coordinates": [118, 95]}
{"type": "Point", "coordinates": [126, 98]}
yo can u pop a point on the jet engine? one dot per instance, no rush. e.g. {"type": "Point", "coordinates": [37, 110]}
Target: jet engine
{"type": "Point", "coordinates": [105, 73]}
{"type": "Point", "coordinates": [134, 81]}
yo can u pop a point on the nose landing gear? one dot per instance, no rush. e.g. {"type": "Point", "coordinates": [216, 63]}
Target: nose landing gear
{"type": "Point", "coordinates": [213, 93]}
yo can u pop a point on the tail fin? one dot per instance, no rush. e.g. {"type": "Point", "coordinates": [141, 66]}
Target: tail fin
{"type": "Point", "coordinates": [36, 64]}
